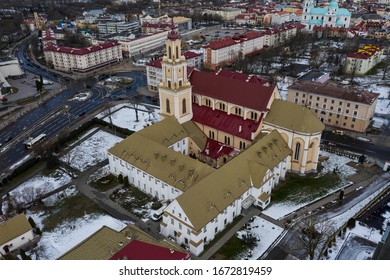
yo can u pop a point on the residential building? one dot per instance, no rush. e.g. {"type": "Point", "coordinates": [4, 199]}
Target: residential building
{"type": "Point", "coordinates": [227, 50]}
{"type": "Point", "coordinates": [345, 108]}
{"type": "Point", "coordinates": [330, 16]}
{"type": "Point", "coordinates": [154, 68]}
{"type": "Point", "coordinates": [130, 243]}
{"type": "Point", "coordinates": [182, 23]}
{"type": "Point", "coordinates": [360, 62]}
{"type": "Point", "coordinates": [15, 233]}
{"type": "Point", "coordinates": [244, 144]}
{"type": "Point", "coordinates": [226, 13]}
{"type": "Point", "coordinates": [143, 44]}
{"type": "Point", "coordinates": [79, 60]}
{"type": "Point", "coordinates": [111, 27]}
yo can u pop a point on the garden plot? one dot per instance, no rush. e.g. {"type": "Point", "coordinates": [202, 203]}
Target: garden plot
{"type": "Point", "coordinates": [37, 186]}
{"type": "Point", "coordinates": [91, 151]}
{"type": "Point", "coordinates": [68, 234]}
{"type": "Point", "coordinates": [312, 189]}
{"type": "Point", "coordinates": [265, 233]}
{"type": "Point", "coordinates": [125, 117]}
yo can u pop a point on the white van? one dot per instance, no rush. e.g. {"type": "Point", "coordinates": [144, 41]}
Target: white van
{"type": "Point", "coordinates": [157, 214]}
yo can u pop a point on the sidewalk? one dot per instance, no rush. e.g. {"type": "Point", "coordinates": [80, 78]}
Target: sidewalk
{"type": "Point", "coordinates": [213, 249]}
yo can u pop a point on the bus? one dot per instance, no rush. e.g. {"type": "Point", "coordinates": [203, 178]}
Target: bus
{"type": "Point", "coordinates": [30, 142]}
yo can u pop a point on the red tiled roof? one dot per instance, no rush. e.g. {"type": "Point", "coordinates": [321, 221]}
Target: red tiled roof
{"type": "Point", "coordinates": [229, 41]}
{"type": "Point", "coordinates": [187, 55]}
{"type": "Point", "coordinates": [249, 78]}
{"type": "Point", "coordinates": [82, 51]}
{"type": "Point", "coordinates": [215, 149]}
{"type": "Point", "coordinates": [138, 250]}
{"type": "Point", "coordinates": [234, 91]}
{"type": "Point", "coordinates": [222, 121]}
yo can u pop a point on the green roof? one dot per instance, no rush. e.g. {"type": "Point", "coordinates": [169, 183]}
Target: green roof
{"type": "Point", "coordinates": [104, 243]}
{"type": "Point", "coordinates": [158, 160]}
{"type": "Point", "coordinates": [293, 117]}
{"type": "Point", "coordinates": [216, 192]}
{"type": "Point", "coordinates": [13, 228]}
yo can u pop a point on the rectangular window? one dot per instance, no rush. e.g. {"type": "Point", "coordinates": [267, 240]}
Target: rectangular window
{"type": "Point", "coordinates": [172, 221]}
{"type": "Point", "coordinates": [180, 226]}
{"type": "Point", "coordinates": [345, 118]}
{"type": "Point", "coordinates": [356, 106]}
{"type": "Point", "coordinates": [216, 229]}
{"type": "Point", "coordinates": [340, 103]}
{"type": "Point", "coordinates": [318, 98]}
{"type": "Point", "coordinates": [332, 101]}
{"type": "Point", "coordinates": [348, 104]}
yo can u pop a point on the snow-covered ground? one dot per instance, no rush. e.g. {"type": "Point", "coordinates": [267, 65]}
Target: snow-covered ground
{"type": "Point", "coordinates": [338, 162]}
{"type": "Point", "coordinates": [265, 232]}
{"type": "Point", "coordinates": [38, 186]}
{"type": "Point", "coordinates": [357, 243]}
{"type": "Point", "coordinates": [279, 210]}
{"type": "Point", "coordinates": [125, 117]}
{"type": "Point", "coordinates": [91, 151]}
{"type": "Point", "coordinates": [70, 233]}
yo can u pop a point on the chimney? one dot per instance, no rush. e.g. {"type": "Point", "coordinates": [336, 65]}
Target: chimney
{"type": "Point", "coordinates": [239, 128]}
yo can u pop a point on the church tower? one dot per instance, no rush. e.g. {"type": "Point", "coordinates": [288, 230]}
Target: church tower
{"type": "Point", "coordinates": [175, 91]}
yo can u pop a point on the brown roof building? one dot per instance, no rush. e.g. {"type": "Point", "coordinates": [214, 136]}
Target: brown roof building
{"type": "Point", "coordinates": [346, 108]}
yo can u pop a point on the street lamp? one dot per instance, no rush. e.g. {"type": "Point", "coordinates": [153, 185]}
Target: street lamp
{"type": "Point", "coordinates": [66, 107]}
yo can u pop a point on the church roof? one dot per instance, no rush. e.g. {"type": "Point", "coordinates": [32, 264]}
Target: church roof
{"type": "Point", "coordinates": [220, 120]}
{"type": "Point", "coordinates": [215, 149]}
{"type": "Point", "coordinates": [234, 91]}
{"type": "Point", "coordinates": [211, 196]}
{"type": "Point", "coordinates": [155, 158]}
{"type": "Point", "coordinates": [318, 11]}
{"type": "Point", "coordinates": [195, 133]}
{"type": "Point", "coordinates": [343, 12]}
{"type": "Point", "coordinates": [294, 117]}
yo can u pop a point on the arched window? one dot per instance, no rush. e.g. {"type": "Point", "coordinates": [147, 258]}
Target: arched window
{"type": "Point", "coordinates": [169, 83]}
{"type": "Point", "coordinates": [184, 106]}
{"type": "Point", "coordinates": [168, 106]}
{"type": "Point", "coordinates": [169, 52]}
{"type": "Point", "coordinates": [177, 52]}
{"type": "Point", "coordinates": [297, 150]}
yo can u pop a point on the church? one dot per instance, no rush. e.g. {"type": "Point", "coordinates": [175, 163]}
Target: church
{"type": "Point", "coordinates": [225, 141]}
{"type": "Point", "coordinates": [329, 16]}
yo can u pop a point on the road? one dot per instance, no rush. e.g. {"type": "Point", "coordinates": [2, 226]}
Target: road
{"type": "Point", "coordinates": [355, 145]}
{"type": "Point", "coordinates": [51, 117]}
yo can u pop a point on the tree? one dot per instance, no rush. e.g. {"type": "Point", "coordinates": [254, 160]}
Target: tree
{"type": "Point", "coordinates": [314, 234]}
{"type": "Point", "coordinates": [32, 222]}
{"type": "Point", "coordinates": [135, 101]}
{"type": "Point", "coordinates": [120, 178]}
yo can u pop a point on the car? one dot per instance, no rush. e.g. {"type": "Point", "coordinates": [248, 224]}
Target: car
{"type": "Point", "coordinates": [81, 114]}
{"type": "Point", "coordinates": [8, 138]}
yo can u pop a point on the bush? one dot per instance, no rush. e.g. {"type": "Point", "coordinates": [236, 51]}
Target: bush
{"type": "Point", "coordinates": [120, 178]}
{"type": "Point", "coordinates": [351, 223]}
{"type": "Point", "coordinates": [32, 222]}
{"type": "Point", "coordinates": [156, 205]}
{"type": "Point", "coordinates": [126, 181]}
{"type": "Point", "coordinates": [52, 162]}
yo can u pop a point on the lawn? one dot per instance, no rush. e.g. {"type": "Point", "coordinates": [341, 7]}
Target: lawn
{"type": "Point", "coordinates": [299, 189]}
{"type": "Point", "coordinates": [133, 200]}
{"type": "Point", "coordinates": [69, 208]}
{"type": "Point", "coordinates": [105, 183]}
{"type": "Point", "coordinates": [230, 250]}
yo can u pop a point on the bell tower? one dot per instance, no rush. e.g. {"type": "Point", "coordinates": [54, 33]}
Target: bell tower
{"type": "Point", "coordinates": [175, 91]}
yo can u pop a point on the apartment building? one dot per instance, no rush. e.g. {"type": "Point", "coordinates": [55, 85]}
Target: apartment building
{"type": "Point", "coordinates": [227, 50]}
{"type": "Point", "coordinates": [360, 62]}
{"type": "Point", "coordinates": [154, 68]}
{"type": "Point", "coordinates": [345, 108]}
{"type": "Point", "coordinates": [227, 13]}
{"type": "Point", "coordinates": [79, 60]}
{"type": "Point", "coordinates": [111, 27]}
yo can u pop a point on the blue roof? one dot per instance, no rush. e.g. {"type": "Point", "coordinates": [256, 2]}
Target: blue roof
{"type": "Point", "coordinates": [318, 11]}
{"type": "Point", "coordinates": [343, 12]}
{"type": "Point", "coordinates": [95, 12]}
{"type": "Point", "coordinates": [333, 5]}
{"type": "Point", "coordinates": [315, 22]}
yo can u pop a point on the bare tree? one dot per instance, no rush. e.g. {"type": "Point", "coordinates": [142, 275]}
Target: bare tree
{"type": "Point", "coordinates": [314, 234]}
{"type": "Point", "coordinates": [135, 101]}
